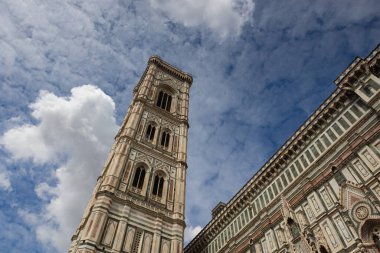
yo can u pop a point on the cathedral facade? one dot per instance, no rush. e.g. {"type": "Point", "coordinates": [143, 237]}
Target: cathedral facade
{"type": "Point", "coordinates": [138, 203]}
{"type": "Point", "coordinates": [320, 192]}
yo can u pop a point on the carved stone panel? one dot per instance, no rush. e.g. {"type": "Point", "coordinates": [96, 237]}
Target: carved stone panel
{"type": "Point", "coordinates": [271, 240]}
{"type": "Point", "coordinates": [331, 235]}
{"type": "Point", "coordinates": [168, 80]}
{"type": "Point", "coordinates": [264, 246]}
{"type": "Point", "coordinates": [280, 236]}
{"type": "Point", "coordinates": [361, 169]}
{"type": "Point", "coordinates": [343, 229]}
{"type": "Point", "coordinates": [315, 203]}
{"type": "Point", "coordinates": [369, 158]}
{"type": "Point", "coordinates": [147, 244]}
{"type": "Point", "coordinates": [376, 144]}
{"type": "Point", "coordinates": [127, 171]}
{"type": "Point", "coordinates": [326, 197]}
{"type": "Point", "coordinates": [109, 232]}
{"type": "Point", "coordinates": [309, 213]}
{"type": "Point", "coordinates": [141, 157]}
{"type": "Point", "coordinates": [165, 246]}
{"type": "Point", "coordinates": [258, 248]}
{"type": "Point", "coordinates": [377, 191]}
{"type": "Point", "coordinates": [129, 237]}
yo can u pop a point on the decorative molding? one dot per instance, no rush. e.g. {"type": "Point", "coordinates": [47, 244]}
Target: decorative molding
{"type": "Point", "coordinates": [183, 76]}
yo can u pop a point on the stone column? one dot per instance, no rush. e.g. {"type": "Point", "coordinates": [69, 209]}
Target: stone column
{"type": "Point", "coordinates": [115, 167]}
{"type": "Point", "coordinates": [120, 233]}
{"type": "Point", "coordinates": [185, 101]}
{"type": "Point", "coordinates": [133, 120]}
{"type": "Point", "coordinates": [157, 235]}
{"type": "Point", "coordinates": [179, 197]}
{"type": "Point", "coordinates": [95, 224]}
{"type": "Point", "coordinates": [147, 82]}
{"type": "Point", "coordinates": [182, 146]}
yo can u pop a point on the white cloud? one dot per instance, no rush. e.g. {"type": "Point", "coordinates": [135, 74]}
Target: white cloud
{"type": "Point", "coordinates": [5, 183]}
{"type": "Point", "coordinates": [225, 17]}
{"type": "Point", "coordinates": [74, 133]}
{"type": "Point", "coordinates": [190, 232]}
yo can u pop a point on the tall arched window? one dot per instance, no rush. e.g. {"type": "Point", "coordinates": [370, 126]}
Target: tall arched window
{"type": "Point", "coordinates": [165, 138]}
{"type": "Point", "coordinates": [164, 100]}
{"type": "Point", "coordinates": [149, 135]}
{"type": "Point", "coordinates": [294, 229]}
{"type": "Point", "coordinates": [158, 186]}
{"type": "Point", "coordinates": [138, 180]}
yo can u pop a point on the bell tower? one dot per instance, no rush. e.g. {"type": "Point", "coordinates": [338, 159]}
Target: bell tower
{"type": "Point", "coordinates": [138, 203]}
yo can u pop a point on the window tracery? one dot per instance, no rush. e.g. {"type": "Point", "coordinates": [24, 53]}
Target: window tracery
{"type": "Point", "coordinates": [150, 131]}
{"type": "Point", "coordinates": [138, 180]}
{"type": "Point", "coordinates": [164, 100]}
{"type": "Point", "coordinates": [294, 229]}
{"type": "Point", "coordinates": [158, 185]}
{"type": "Point", "coordinates": [165, 138]}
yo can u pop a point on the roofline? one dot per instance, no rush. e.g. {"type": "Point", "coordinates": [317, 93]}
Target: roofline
{"type": "Point", "coordinates": [184, 76]}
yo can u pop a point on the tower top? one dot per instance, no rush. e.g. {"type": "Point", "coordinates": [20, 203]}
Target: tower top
{"type": "Point", "coordinates": [183, 76]}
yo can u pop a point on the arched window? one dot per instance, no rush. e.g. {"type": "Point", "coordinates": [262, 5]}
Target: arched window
{"type": "Point", "coordinates": [164, 100]}
{"type": "Point", "coordinates": [158, 186]}
{"type": "Point", "coordinates": [149, 135]}
{"type": "Point", "coordinates": [138, 180]}
{"type": "Point", "coordinates": [294, 229]}
{"type": "Point", "coordinates": [165, 138]}
{"type": "Point", "coordinates": [322, 249]}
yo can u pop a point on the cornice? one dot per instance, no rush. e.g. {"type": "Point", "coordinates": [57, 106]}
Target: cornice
{"type": "Point", "coordinates": [166, 67]}
{"type": "Point", "coordinates": [161, 112]}
{"type": "Point", "coordinates": [122, 199]}
{"type": "Point", "coordinates": [183, 76]}
{"type": "Point", "coordinates": [172, 161]}
{"type": "Point", "coordinates": [357, 68]}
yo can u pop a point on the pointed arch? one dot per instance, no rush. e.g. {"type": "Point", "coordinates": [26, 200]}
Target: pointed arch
{"type": "Point", "coordinates": [164, 100]}
{"type": "Point", "coordinates": [294, 229]}
{"type": "Point", "coordinates": [150, 131]}
{"type": "Point", "coordinates": [370, 229]}
{"type": "Point", "coordinates": [165, 139]}
{"type": "Point", "coordinates": [159, 179]}
{"type": "Point", "coordinates": [139, 176]}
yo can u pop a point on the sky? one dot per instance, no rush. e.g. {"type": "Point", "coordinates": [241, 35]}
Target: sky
{"type": "Point", "coordinates": [68, 68]}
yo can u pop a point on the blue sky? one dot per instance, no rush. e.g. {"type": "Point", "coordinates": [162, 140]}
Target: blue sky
{"type": "Point", "coordinates": [67, 70]}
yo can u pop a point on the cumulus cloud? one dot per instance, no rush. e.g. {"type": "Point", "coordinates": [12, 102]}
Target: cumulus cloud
{"type": "Point", "coordinates": [73, 133]}
{"type": "Point", "coordinates": [191, 232]}
{"type": "Point", "coordinates": [225, 17]}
